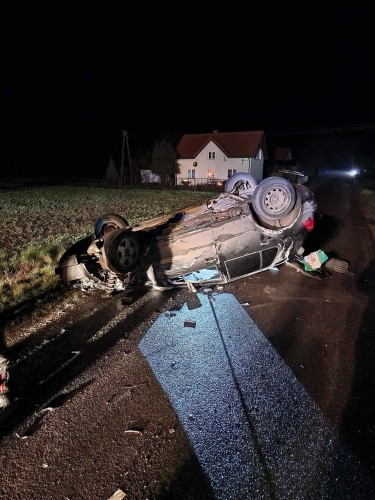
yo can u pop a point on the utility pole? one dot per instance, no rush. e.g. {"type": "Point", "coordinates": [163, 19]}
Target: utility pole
{"type": "Point", "coordinates": [130, 162]}
{"type": "Point", "coordinates": [122, 160]}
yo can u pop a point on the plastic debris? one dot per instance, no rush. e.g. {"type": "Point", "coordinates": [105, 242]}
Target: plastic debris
{"type": "Point", "coordinates": [314, 260]}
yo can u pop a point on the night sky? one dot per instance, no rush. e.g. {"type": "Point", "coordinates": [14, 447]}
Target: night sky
{"type": "Point", "coordinates": [76, 76]}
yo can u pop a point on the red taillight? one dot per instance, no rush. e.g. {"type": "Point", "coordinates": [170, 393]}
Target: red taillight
{"type": "Point", "coordinates": [309, 223]}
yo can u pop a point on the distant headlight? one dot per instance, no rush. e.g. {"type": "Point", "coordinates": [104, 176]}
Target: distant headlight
{"type": "Point", "coordinates": [354, 172]}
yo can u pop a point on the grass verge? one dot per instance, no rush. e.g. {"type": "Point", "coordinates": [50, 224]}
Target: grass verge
{"type": "Point", "coordinates": [40, 222]}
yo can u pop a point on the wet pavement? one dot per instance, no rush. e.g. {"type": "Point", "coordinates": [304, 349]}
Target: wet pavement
{"type": "Point", "coordinates": [107, 394]}
{"type": "Point", "coordinates": [254, 428]}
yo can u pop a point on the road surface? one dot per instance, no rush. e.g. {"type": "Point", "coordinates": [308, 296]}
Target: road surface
{"type": "Point", "coordinates": [97, 411]}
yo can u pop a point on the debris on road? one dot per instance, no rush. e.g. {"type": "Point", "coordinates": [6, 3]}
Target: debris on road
{"type": "Point", "coordinates": [44, 410]}
{"type": "Point", "coordinates": [190, 324]}
{"type": "Point", "coordinates": [314, 260]}
{"type": "Point", "coordinates": [338, 266]}
{"type": "Point", "coordinates": [233, 389]}
{"type": "Point", "coordinates": [170, 314]}
{"type": "Point", "coordinates": [4, 377]}
{"type": "Point", "coordinates": [319, 274]}
{"type": "Point", "coordinates": [117, 495]}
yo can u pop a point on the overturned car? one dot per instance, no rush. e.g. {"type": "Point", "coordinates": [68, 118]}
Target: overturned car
{"type": "Point", "coordinates": [246, 229]}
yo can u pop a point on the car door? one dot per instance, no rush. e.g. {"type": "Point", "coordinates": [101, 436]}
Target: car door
{"type": "Point", "coordinates": [242, 248]}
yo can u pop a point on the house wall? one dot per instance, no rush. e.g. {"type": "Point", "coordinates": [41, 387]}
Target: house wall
{"type": "Point", "coordinates": [219, 165]}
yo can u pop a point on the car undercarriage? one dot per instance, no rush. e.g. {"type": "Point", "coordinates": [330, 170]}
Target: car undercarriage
{"type": "Point", "coordinates": [246, 229]}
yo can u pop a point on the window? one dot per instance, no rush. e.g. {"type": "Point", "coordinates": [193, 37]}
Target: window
{"type": "Point", "coordinates": [191, 174]}
{"type": "Point", "coordinates": [259, 155]}
{"type": "Point", "coordinates": [210, 173]}
{"type": "Point", "coordinates": [211, 155]}
{"type": "Point", "coordinates": [231, 172]}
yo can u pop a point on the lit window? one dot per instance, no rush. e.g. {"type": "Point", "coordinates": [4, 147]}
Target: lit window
{"type": "Point", "coordinates": [210, 173]}
{"type": "Point", "coordinates": [211, 155]}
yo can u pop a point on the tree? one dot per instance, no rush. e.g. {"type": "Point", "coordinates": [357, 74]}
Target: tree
{"type": "Point", "coordinates": [111, 174]}
{"type": "Point", "coordinates": [164, 161]}
{"type": "Point", "coordinates": [141, 160]}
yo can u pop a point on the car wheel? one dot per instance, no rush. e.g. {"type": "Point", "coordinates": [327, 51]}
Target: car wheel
{"type": "Point", "coordinates": [273, 198]}
{"type": "Point", "coordinates": [122, 251]}
{"type": "Point", "coordinates": [107, 222]}
{"type": "Point", "coordinates": [240, 181]}
{"type": "Point", "coordinates": [287, 220]}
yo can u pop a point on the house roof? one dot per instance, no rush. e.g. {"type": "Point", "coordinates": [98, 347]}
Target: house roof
{"type": "Point", "coordinates": [281, 153]}
{"type": "Point", "coordinates": [233, 144]}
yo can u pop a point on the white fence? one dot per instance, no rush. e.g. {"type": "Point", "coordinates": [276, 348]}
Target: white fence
{"type": "Point", "coordinates": [198, 181]}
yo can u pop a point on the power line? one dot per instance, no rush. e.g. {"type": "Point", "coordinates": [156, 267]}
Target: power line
{"type": "Point", "coordinates": [329, 129]}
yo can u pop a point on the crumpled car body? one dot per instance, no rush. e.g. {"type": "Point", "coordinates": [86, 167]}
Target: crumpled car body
{"type": "Point", "coordinates": [246, 229]}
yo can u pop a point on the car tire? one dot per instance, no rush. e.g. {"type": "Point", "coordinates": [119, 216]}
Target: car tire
{"type": "Point", "coordinates": [122, 251]}
{"type": "Point", "coordinates": [107, 222]}
{"type": "Point", "coordinates": [273, 198]}
{"type": "Point", "coordinates": [236, 180]}
{"type": "Point", "coordinates": [287, 220]}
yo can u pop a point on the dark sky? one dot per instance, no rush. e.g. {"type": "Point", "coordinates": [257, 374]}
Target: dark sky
{"type": "Point", "coordinates": [76, 76]}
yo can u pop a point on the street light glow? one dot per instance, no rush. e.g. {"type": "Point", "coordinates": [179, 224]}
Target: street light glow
{"type": "Point", "coordinates": [353, 172]}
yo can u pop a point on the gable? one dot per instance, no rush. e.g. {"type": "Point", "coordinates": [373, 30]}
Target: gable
{"type": "Point", "coordinates": [282, 153]}
{"type": "Point", "coordinates": [232, 144]}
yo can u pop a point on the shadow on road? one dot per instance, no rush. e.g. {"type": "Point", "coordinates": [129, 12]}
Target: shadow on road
{"type": "Point", "coordinates": [189, 478]}
{"type": "Point", "coordinates": [326, 229]}
{"type": "Point", "coordinates": [359, 417]}
{"type": "Point", "coordinates": [38, 374]}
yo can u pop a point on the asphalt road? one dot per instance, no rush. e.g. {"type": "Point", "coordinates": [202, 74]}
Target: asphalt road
{"type": "Point", "coordinates": [105, 399]}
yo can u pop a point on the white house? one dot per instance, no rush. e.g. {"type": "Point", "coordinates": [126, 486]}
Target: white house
{"type": "Point", "coordinates": [214, 157]}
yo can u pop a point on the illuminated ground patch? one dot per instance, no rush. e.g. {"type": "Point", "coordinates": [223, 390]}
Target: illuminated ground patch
{"type": "Point", "coordinates": [254, 428]}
